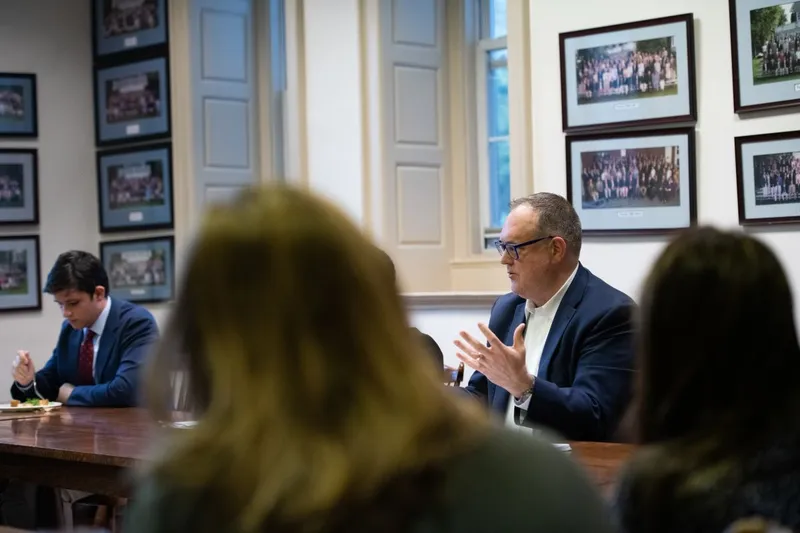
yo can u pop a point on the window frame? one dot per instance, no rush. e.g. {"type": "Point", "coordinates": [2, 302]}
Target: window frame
{"type": "Point", "coordinates": [485, 45]}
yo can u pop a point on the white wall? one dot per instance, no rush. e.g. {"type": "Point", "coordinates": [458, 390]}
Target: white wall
{"type": "Point", "coordinates": [51, 38]}
{"type": "Point", "coordinates": [624, 262]}
{"type": "Point", "coordinates": [444, 326]}
{"type": "Point", "coordinates": [334, 102]}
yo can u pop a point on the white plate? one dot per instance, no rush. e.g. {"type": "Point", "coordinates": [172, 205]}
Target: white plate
{"type": "Point", "coordinates": [185, 424]}
{"type": "Point", "coordinates": [6, 407]}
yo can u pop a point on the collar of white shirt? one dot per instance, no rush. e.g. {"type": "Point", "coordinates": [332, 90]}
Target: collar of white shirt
{"type": "Point", "coordinates": [100, 324]}
{"type": "Point", "coordinates": [551, 306]}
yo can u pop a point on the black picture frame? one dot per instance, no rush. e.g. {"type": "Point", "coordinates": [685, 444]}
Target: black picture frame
{"type": "Point", "coordinates": [150, 165]}
{"type": "Point", "coordinates": [18, 106]}
{"type": "Point", "coordinates": [110, 36]}
{"type": "Point", "coordinates": [768, 178]}
{"type": "Point", "coordinates": [752, 92]}
{"type": "Point", "coordinates": [128, 277]}
{"type": "Point", "coordinates": [19, 173]}
{"type": "Point", "coordinates": [627, 105]}
{"type": "Point", "coordinates": [627, 209]}
{"type": "Point", "coordinates": [146, 76]}
{"type": "Point", "coordinates": [20, 269]}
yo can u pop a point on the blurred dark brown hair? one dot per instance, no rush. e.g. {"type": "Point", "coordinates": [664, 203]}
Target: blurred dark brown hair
{"type": "Point", "coordinates": [718, 351]}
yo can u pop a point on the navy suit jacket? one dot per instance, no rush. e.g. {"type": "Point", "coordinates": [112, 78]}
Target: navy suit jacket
{"type": "Point", "coordinates": [583, 384]}
{"type": "Point", "coordinates": [129, 332]}
{"type": "Point", "coordinates": [431, 346]}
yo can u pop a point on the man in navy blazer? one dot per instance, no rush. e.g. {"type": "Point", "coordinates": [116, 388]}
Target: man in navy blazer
{"type": "Point", "coordinates": [102, 344]}
{"type": "Point", "coordinates": [559, 348]}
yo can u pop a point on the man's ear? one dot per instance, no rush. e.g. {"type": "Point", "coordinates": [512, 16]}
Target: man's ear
{"type": "Point", "coordinates": [99, 292]}
{"type": "Point", "coordinates": [559, 248]}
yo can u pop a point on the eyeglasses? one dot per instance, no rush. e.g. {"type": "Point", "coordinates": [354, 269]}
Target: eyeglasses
{"type": "Point", "coordinates": [513, 249]}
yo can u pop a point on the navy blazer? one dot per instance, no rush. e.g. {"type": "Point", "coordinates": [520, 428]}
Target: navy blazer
{"type": "Point", "coordinates": [583, 385]}
{"type": "Point", "coordinates": [431, 346]}
{"type": "Point", "coordinates": [129, 332]}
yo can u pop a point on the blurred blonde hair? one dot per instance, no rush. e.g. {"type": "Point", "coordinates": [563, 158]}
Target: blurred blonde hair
{"type": "Point", "coordinates": [311, 391]}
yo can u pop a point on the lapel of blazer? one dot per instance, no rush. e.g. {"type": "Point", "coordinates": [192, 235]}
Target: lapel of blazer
{"type": "Point", "coordinates": [519, 318]}
{"type": "Point", "coordinates": [501, 396]}
{"type": "Point", "coordinates": [565, 312]}
{"type": "Point", "coordinates": [107, 341]}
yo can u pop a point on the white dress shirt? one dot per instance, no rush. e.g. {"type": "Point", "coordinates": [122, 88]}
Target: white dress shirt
{"type": "Point", "coordinates": [538, 320]}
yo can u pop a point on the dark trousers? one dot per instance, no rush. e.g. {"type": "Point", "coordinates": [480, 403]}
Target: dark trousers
{"type": "Point", "coordinates": [27, 506]}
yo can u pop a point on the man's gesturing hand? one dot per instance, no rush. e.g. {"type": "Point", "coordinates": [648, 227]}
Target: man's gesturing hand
{"type": "Point", "coordinates": [502, 365]}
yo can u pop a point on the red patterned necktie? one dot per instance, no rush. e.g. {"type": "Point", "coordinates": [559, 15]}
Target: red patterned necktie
{"type": "Point", "coordinates": [85, 358]}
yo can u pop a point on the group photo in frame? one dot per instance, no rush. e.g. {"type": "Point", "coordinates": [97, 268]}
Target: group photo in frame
{"type": "Point", "coordinates": [134, 188]}
{"type": "Point", "coordinates": [628, 183]}
{"type": "Point", "coordinates": [132, 102]}
{"type": "Point", "coordinates": [141, 270]}
{"type": "Point", "coordinates": [768, 178]}
{"type": "Point", "coordinates": [628, 75]}
{"type": "Point", "coordinates": [128, 25]}
{"type": "Point", "coordinates": [20, 278]}
{"type": "Point", "coordinates": [19, 186]}
{"type": "Point", "coordinates": [18, 106]}
{"type": "Point", "coordinates": [765, 49]}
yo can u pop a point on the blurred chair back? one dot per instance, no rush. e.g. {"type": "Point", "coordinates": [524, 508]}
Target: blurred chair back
{"type": "Point", "coordinates": [454, 376]}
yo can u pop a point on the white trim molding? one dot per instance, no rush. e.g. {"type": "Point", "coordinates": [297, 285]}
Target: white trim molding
{"type": "Point", "coordinates": [450, 300]}
{"type": "Point", "coordinates": [182, 126]}
{"type": "Point", "coordinates": [519, 97]}
{"type": "Point", "coordinates": [295, 147]}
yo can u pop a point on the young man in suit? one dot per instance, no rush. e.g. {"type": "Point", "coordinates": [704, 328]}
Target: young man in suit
{"type": "Point", "coordinates": [559, 347]}
{"type": "Point", "coordinates": [96, 361]}
{"type": "Point", "coordinates": [100, 348]}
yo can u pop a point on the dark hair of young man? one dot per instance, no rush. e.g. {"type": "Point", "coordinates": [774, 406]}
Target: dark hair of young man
{"type": "Point", "coordinates": [76, 270]}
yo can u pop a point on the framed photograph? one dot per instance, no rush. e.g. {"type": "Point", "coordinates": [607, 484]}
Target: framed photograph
{"type": "Point", "coordinates": [765, 45]}
{"type": "Point", "coordinates": [18, 105]}
{"type": "Point", "coordinates": [768, 178]}
{"type": "Point", "coordinates": [134, 187]}
{"type": "Point", "coordinates": [132, 102]}
{"type": "Point", "coordinates": [626, 183]}
{"type": "Point", "coordinates": [19, 194]}
{"type": "Point", "coordinates": [142, 270]}
{"type": "Point", "coordinates": [20, 279]}
{"type": "Point", "coordinates": [126, 25]}
{"type": "Point", "coordinates": [635, 74]}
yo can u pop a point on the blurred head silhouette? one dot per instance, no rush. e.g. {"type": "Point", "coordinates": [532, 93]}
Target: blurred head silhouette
{"type": "Point", "coordinates": [311, 395]}
{"type": "Point", "coordinates": [718, 352]}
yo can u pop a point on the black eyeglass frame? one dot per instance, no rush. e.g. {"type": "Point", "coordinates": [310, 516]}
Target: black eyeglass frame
{"type": "Point", "coordinates": [513, 249]}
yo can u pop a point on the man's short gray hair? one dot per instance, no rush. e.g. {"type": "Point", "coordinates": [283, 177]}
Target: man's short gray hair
{"type": "Point", "coordinates": [557, 217]}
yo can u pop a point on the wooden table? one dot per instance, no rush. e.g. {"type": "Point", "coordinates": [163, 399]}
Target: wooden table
{"type": "Point", "coordinates": [96, 449]}
{"type": "Point", "coordinates": [602, 460]}
{"type": "Point", "coordinates": [90, 449]}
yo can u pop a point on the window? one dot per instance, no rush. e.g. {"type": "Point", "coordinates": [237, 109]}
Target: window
{"type": "Point", "coordinates": [493, 120]}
